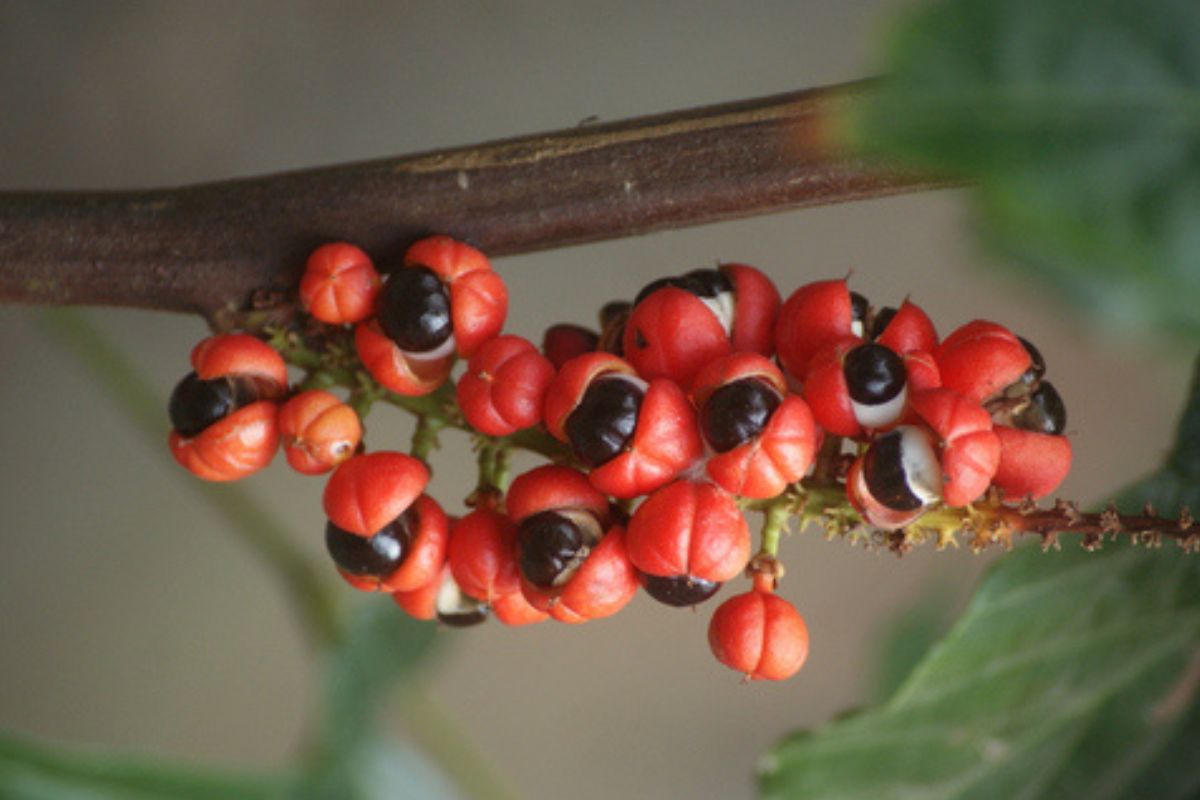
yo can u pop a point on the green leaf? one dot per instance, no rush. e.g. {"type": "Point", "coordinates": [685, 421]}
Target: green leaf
{"type": "Point", "coordinates": [381, 647]}
{"type": "Point", "coordinates": [36, 772]}
{"type": "Point", "coordinates": [1079, 123]}
{"type": "Point", "coordinates": [1071, 675]}
{"type": "Point", "coordinates": [905, 638]}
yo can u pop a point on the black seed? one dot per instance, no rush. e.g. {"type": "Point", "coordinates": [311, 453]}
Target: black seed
{"type": "Point", "coordinates": [882, 319]}
{"type": "Point", "coordinates": [1038, 366]}
{"type": "Point", "coordinates": [414, 310]}
{"type": "Point", "coordinates": [376, 556]}
{"type": "Point", "coordinates": [700, 282]}
{"type": "Point", "coordinates": [705, 282]}
{"type": "Point", "coordinates": [874, 374]}
{"type": "Point", "coordinates": [859, 307]}
{"type": "Point", "coordinates": [548, 546]}
{"type": "Point", "coordinates": [652, 287]}
{"type": "Point", "coordinates": [679, 591]}
{"type": "Point", "coordinates": [883, 470]}
{"type": "Point", "coordinates": [1045, 412]}
{"type": "Point", "coordinates": [603, 423]}
{"type": "Point", "coordinates": [473, 612]}
{"type": "Point", "coordinates": [196, 404]}
{"type": "Point", "coordinates": [736, 413]}
{"type": "Point", "coordinates": [612, 312]}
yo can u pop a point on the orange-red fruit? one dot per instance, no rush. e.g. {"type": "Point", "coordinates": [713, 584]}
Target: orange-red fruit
{"type": "Point", "coordinates": [246, 440]}
{"type": "Point", "coordinates": [672, 334]}
{"type": "Point", "coordinates": [980, 359]}
{"type": "Point", "coordinates": [368, 491]}
{"type": "Point", "coordinates": [514, 610]}
{"type": "Point", "coordinates": [231, 448]}
{"type": "Point", "coordinates": [393, 368]}
{"type": "Point", "coordinates": [319, 431]}
{"type": "Point", "coordinates": [478, 296]}
{"type": "Point", "coordinates": [814, 317]}
{"type": "Point", "coordinates": [1031, 464]}
{"type": "Point", "coordinates": [339, 284]}
{"type": "Point", "coordinates": [603, 585]}
{"type": "Point", "coordinates": [562, 342]}
{"type": "Point", "coordinates": [781, 453]}
{"type": "Point", "coordinates": [760, 635]}
{"type": "Point", "coordinates": [665, 439]}
{"type": "Point", "coordinates": [421, 603]}
{"type": "Point", "coordinates": [425, 558]}
{"type": "Point", "coordinates": [504, 386]}
{"type": "Point", "coordinates": [552, 487]}
{"type": "Point", "coordinates": [238, 354]}
{"type": "Point", "coordinates": [692, 529]}
{"type": "Point", "coordinates": [970, 451]}
{"type": "Point", "coordinates": [483, 555]}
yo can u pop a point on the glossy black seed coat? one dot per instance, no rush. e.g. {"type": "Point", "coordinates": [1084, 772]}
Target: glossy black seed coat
{"type": "Point", "coordinates": [549, 544]}
{"type": "Point", "coordinates": [700, 282]}
{"type": "Point", "coordinates": [602, 425]}
{"type": "Point", "coordinates": [874, 374]}
{"type": "Point", "coordinates": [414, 310]}
{"type": "Point", "coordinates": [469, 615]}
{"type": "Point", "coordinates": [883, 471]}
{"type": "Point", "coordinates": [882, 319]}
{"type": "Point", "coordinates": [679, 591]}
{"type": "Point", "coordinates": [736, 413]}
{"type": "Point", "coordinates": [1038, 366]}
{"type": "Point", "coordinates": [375, 556]}
{"type": "Point", "coordinates": [859, 307]}
{"type": "Point", "coordinates": [195, 404]}
{"type": "Point", "coordinates": [1045, 413]}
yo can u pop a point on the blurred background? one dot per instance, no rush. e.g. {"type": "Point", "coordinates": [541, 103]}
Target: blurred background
{"type": "Point", "coordinates": [129, 616]}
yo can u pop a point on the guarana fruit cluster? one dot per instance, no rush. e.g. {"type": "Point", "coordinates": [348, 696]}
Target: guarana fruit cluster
{"type": "Point", "coordinates": [706, 396]}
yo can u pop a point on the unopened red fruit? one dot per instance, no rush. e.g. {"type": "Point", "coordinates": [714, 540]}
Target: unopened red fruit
{"type": "Point", "coordinates": [760, 635]}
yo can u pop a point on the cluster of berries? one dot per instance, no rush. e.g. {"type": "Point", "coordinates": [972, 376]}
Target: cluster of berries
{"type": "Point", "coordinates": [705, 394]}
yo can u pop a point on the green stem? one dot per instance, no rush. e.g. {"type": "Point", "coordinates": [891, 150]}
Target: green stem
{"type": "Point", "coordinates": [444, 741]}
{"type": "Point", "coordinates": [261, 532]}
{"type": "Point", "coordinates": [425, 437]}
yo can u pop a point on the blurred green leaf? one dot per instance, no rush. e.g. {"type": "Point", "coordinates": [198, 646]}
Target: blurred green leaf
{"type": "Point", "coordinates": [1071, 675]}
{"type": "Point", "coordinates": [906, 636]}
{"type": "Point", "coordinates": [1079, 123]}
{"type": "Point", "coordinates": [36, 772]}
{"type": "Point", "coordinates": [381, 647]}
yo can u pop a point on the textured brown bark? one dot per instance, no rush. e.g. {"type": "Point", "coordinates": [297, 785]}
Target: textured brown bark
{"type": "Point", "coordinates": [209, 248]}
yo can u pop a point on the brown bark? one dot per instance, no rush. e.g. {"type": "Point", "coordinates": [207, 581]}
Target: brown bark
{"type": "Point", "coordinates": [209, 248]}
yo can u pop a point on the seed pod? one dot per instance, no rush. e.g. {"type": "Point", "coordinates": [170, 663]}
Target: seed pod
{"type": "Point", "coordinates": [223, 415]}
{"type": "Point", "coordinates": [455, 608]}
{"type": "Point", "coordinates": [403, 555]}
{"type": "Point", "coordinates": [853, 387]}
{"type": "Point", "coordinates": [339, 285]}
{"type": "Point", "coordinates": [813, 318]}
{"type": "Point", "coordinates": [395, 369]}
{"type": "Point", "coordinates": [603, 584]}
{"type": "Point", "coordinates": [504, 386]}
{"type": "Point", "coordinates": [763, 438]}
{"type": "Point", "coordinates": [679, 324]}
{"type": "Point", "coordinates": [562, 342]}
{"type": "Point", "coordinates": [570, 567]}
{"type": "Point", "coordinates": [635, 436]}
{"type": "Point", "coordinates": [980, 359]}
{"type": "Point", "coordinates": [514, 610]}
{"type": "Point", "coordinates": [478, 297]}
{"type": "Point", "coordinates": [368, 491]}
{"type": "Point", "coordinates": [904, 330]}
{"type": "Point", "coordinates": [319, 431]}
{"type": "Point", "coordinates": [968, 448]}
{"type": "Point", "coordinates": [760, 635]}
{"type": "Point", "coordinates": [1032, 464]}
{"type": "Point", "coordinates": [897, 478]}
{"type": "Point", "coordinates": [483, 555]}
{"type": "Point", "coordinates": [691, 534]}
